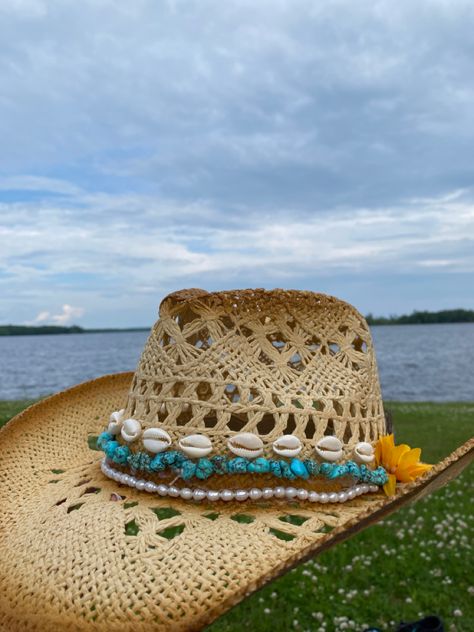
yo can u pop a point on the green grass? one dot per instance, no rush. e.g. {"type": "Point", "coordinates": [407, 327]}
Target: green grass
{"type": "Point", "coordinates": [9, 409]}
{"type": "Point", "coordinates": [417, 562]}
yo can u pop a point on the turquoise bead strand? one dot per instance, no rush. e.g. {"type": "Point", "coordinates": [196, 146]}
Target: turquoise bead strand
{"type": "Point", "coordinates": [204, 468]}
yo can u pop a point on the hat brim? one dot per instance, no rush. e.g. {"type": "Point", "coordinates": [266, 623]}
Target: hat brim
{"type": "Point", "coordinates": [78, 551]}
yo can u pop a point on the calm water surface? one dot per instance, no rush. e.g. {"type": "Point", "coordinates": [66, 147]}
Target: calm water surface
{"type": "Point", "coordinates": [416, 362]}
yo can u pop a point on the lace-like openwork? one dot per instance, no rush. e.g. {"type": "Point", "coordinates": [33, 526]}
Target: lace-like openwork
{"type": "Point", "coordinates": [269, 362]}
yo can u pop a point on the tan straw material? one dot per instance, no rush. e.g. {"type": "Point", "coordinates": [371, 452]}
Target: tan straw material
{"type": "Point", "coordinates": [269, 362]}
{"type": "Point", "coordinates": [78, 551]}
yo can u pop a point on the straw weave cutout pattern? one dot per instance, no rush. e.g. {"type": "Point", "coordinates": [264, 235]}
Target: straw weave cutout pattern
{"type": "Point", "coordinates": [81, 552]}
{"type": "Point", "coordinates": [269, 362]}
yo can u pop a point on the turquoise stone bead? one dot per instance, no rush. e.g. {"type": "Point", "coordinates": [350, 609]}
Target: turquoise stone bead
{"type": "Point", "coordinates": [275, 468]}
{"type": "Point", "coordinates": [157, 463]}
{"type": "Point", "coordinates": [286, 471]}
{"type": "Point", "coordinates": [298, 468]}
{"type": "Point", "coordinates": [121, 454]}
{"type": "Point", "coordinates": [169, 457]}
{"type": "Point", "coordinates": [103, 439]}
{"type": "Point", "coordinates": [352, 469]}
{"type": "Point", "coordinates": [188, 470]}
{"type": "Point", "coordinates": [139, 461]}
{"type": "Point", "coordinates": [238, 465]}
{"type": "Point", "coordinates": [337, 471]}
{"type": "Point", "coordinates": [364, 473]}
{"type": "Point", "coordinates": [179, 458]}
{"type": "Point", "coordinates": [311, 466]}
{"type": "Point", "coordinates": [326, 468]}
{"type": "Point", "coordinates": [204, 469]}
{"type": "Point", "coordinates": [110, 447]}
{"type": "Point", "coordinates": [219, 463]}
{"type": "Point", "coordinates": [259, 466]}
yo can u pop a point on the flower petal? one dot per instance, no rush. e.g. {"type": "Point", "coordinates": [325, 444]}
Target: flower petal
{"type": "Point", "coordinates": [411, 473]}
{"type": "Point", "coordinates": [412, 457]}
{"type": "Point", "coordinates": [395, 456]}
{"type": "Point", "coordinates": [390, 485]}
{"type": "Point", "coordinates": [383, 449]}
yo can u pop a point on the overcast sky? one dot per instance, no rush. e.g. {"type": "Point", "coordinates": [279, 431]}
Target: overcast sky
{"type": "Point", "coordinates": [148, 146]}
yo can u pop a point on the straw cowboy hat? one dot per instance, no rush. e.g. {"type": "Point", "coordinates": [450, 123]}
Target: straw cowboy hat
{"type": "Point", "coordinates": [120, 498]}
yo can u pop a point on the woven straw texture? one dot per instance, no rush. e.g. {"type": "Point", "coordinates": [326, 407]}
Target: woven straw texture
{"type": "Point", "coordinates": [268, 362]}
{"type": "Point", "coordinates": [78, 551]}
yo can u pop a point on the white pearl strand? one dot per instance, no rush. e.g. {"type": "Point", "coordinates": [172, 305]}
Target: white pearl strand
{"type": "Point", "coordinates": [290, 493]}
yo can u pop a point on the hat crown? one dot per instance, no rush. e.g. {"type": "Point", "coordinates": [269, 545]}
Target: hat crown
{"type": "Point", "coordinates": [270, 362]}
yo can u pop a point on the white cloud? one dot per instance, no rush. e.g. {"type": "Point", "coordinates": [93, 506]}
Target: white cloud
{"type": "Point", "coordinates": [66, 317]}
{"type": "Point", "coordinates": [146, 146]}
{"type": "Point", "coordinates": [165, 240]}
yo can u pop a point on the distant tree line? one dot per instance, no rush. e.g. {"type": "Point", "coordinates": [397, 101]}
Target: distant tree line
{"type": "Point", "coordinates": [33, 330]}
{"type": "Point", "coordinates": [425, 318]}
{"type": "Point", "coordinates": [22, 330]}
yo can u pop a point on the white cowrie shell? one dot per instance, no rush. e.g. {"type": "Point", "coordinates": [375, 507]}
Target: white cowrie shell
{"type": "Point", "coordinates": [115, 422]}
{"type": "Point", "coordinates": [195, 445]}
{"type": "Point", "coordinates": [246, 444]}
{"type": "Point", "coordinates": [156, 440]}
{"type": "Point", "coordinates": [329, 448]}
{"type": "Point", "coordinates": [364, 452]}
{"type": "Point", "coordinates": [287, 445]}
{"type": "Point", "coordinates": [131, 430]}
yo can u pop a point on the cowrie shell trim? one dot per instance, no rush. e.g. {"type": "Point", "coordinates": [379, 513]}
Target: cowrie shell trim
{"type": "Point", "coordinates": [116, 421]}
{"type": "Point", "coordinates": [195, 445]}
{"type": "Point", "coordinates": [156, 440]}
{"type": "Point", "coordinates": [287, 445]}
{"type": "Point", "coordinates": [364, 452]}
{"type": "Point", "coordinates": [329, 448]}
{"type": "Point", "coordinates": [131, 430]}
{"type": "Point", "coordinates": [246, 444]}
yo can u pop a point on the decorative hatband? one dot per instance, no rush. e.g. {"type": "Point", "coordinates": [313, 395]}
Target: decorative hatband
{"type": "Point", "coordinates": [381, 466]}
{"type": "Point", "coordinates": [203, 468]}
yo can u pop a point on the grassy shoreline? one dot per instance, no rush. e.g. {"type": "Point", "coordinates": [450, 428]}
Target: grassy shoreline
{"type": "Point", "coordinates": [415, 563]}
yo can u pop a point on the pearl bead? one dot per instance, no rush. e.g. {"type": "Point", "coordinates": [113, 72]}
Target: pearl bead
{"type": "Point", "coordinates": [226, 495]}
{"type": "Point", "coordinates": [199, 494]}
{"type": "Point", "coordinates": [186, 493]}
{"type": "Point", "coordinates": [241, 494]}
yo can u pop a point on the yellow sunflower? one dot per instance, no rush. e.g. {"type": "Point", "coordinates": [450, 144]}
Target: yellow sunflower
{"type": "Point", "coordinates": [401, 462]}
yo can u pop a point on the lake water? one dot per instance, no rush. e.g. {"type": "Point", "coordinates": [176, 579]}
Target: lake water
{"type": "Point", "coordinates": [416, 362]}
